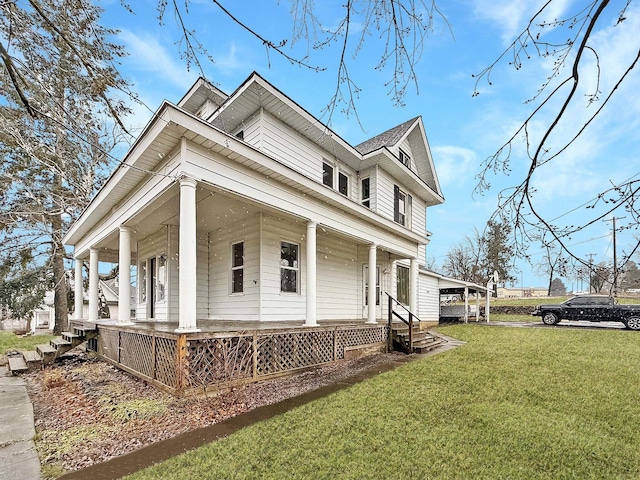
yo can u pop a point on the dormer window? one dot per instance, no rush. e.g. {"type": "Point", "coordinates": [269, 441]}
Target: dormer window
{"type": "Point", "coordinates": [404, 157]}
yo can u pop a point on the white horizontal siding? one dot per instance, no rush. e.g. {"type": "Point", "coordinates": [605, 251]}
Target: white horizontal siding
{"type": "Point", "coordinates": [251, 129]}
{"type": "Point", "coordinates": [337, 278]}
{"type": "Point", "coordinates": [286, 145]}
{"type": "Point", "coordinates": [223, 304]}
{"type": "Point", "coordinates": [384, 194]}
{"type": "Point", "coordinates": [428, 298]}
{"type": "Point", "coordinates": [275, 304]}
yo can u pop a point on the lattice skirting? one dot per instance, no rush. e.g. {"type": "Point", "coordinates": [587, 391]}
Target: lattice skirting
{"type": "Point", "coordinates": [149, 356]}
{"type": "Point", "coordinates": [203, 361]}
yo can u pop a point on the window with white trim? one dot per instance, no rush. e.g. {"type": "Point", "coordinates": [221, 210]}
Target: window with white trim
{"type": "Point", "coordinates": [327, 174]}
{"type": "Point", "coordinates": [142, 286]}
{"type": "Point", "coordinates": [404, 157]}
{"type": "Point", "coordinates": [237, 267]}
{"type": "Point", "coordinates": [401, 207]}
{"type": "Point", "coordinates": [343, 184]}
{"type": "Point", "coordinates": [289, 267]}
{"type": "Point", "coordinates": [402, 284]}
{"type": "Point", "coordinates": [365, 192]}
{"type": "Point", "coordinates": [161, 282]}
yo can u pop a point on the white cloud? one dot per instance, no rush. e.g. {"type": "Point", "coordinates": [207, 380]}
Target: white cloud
{"type": "Point", "coordinates": [511, 17]}
{"type": "Point", "coordinates": [148, 55]}
{"type": "Point", "coordinates": [454, 164]}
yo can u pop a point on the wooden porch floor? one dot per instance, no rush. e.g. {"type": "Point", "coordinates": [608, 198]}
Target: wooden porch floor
{"type": "Point", "coordinates": [229, 326]}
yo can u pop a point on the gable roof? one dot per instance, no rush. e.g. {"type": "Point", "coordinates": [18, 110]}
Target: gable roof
{"type": "Point", "coordinates": [386, 139]}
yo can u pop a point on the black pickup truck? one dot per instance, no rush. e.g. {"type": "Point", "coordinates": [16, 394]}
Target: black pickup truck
{"type": "Point", "coordinates": [593, 308]}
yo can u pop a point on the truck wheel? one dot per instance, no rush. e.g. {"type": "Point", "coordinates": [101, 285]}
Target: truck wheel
{"type": "Point", "coordinates": [632, 323]}
{"type": "Point", "coordinates": [550, 318]}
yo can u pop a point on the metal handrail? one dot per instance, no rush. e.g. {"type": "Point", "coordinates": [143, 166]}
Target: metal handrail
{"type": "Point", "coordinates": [409, 323]}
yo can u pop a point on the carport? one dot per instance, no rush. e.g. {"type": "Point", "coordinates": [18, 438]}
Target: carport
{"type": "Point", "coordinates": [451, 286]}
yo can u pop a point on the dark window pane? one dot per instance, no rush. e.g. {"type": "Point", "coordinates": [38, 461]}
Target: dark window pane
{"type": "Point", "coordinates": [366, 185]}
{"type": "Point", "coordinates": [327, 175]}
{"type": "Point", "coordinates": [402, 285]}
{"type": "Point", "coordinates": [343, 184]}
{"type": "Point", "coordinates": [288, 280]}
{"type": "Point", "coordinates": [237, 277]}
{"type": "Point", "coordinates": [238, 254]}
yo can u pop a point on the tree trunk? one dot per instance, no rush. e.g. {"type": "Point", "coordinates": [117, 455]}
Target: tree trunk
{"type": "Point", "coordinates": [550, 281]}
{"type": "Point", "coordinates": [60, 289]}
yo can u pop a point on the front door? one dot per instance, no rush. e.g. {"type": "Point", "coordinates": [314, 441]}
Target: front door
{"type": "Point", "coordinates": [365, 290]}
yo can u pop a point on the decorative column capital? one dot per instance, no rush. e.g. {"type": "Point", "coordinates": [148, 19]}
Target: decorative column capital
{"type": "Point", "coordinates": [187, 181]}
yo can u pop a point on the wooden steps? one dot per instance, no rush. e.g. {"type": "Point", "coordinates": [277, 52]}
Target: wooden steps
{"type": "Point", "coordinates": [46, 353]}
{"type": "Point", "coordinates": [423, 341]}
{"type": "Point", "coordinates": [17, 364]}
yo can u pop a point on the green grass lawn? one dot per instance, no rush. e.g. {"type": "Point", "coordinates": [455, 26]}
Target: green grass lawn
{"type": "Point", "coordinates": [11, 341]}
{"type": "Point", "coordinates": [510, 404]}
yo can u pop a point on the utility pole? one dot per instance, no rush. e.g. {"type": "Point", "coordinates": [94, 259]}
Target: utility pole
{"type": "Point", "coordinates": [590, 255]}
{"type": "Point", "coordinates": [615, 258]}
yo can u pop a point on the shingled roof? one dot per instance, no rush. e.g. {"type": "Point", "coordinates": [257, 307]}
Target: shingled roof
{"type": "Point", "coordinates": [385, 139]}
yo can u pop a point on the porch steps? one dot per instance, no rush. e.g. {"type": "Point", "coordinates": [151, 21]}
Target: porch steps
{"type": "Point", "coordinates": [44, 354]}
{"type": "Point", "coordinates": [423, 341]}
{"type": "Point", "coordinates": [17, 365]}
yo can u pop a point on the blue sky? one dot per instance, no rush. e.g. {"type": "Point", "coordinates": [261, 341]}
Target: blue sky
{"type": "Point", "coordinates": [462, 130]}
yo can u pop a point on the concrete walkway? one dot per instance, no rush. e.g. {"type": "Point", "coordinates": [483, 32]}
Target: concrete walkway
{"type": "Point", "coordinates": [18, 456]}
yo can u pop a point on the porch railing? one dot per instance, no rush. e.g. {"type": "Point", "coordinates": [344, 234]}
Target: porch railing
{"type": "Point", "coordinates": [409, 322]}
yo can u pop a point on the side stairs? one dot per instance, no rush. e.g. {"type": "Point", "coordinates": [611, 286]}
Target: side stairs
{"type": "Point", "coordinates": [46, 353]}
{"type": "Point", "coordinates": [423, 340]}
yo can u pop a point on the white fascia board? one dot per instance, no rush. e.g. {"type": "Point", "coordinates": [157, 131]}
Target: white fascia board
{"type": "Point", "coordinates": [447, 282]}
{"type": "Point", "coordinates": [103, 198]}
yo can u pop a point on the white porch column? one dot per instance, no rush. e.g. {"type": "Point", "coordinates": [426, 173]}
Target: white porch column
{"type": "Point", "coordinates": [372, 294]}
{"type": "Point", "coordinates": [93, 284]}
{"type": "Point", "coordinates": [413, 286]}
{"type": "Point", "coordinates": [188, 259]}
{"type": "Point", "coordinates": [311, 275]}
{"type": "Point", "coordinates": [78, 290]}
{"type": "Point", "coordinates": [466, 304]}
{"type": "Point", "coordinates": [124, 282]}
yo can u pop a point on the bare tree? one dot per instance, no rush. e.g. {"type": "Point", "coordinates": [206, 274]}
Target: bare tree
{"type": "Point", "coordinates": [573, 84]}
{"type": "Point", "coordinates": [553, 264]}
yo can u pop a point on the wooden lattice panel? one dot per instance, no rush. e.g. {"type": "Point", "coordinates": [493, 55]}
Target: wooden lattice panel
{"type": "Point", "coordinates": [291, 350]}
{"type": "Point", "coordinates": [217, 360]}
{"type": "Point", "coordinates": [358, 336]}
{"type": "Point", "coordinates": [165, 361]}
{"type": "Point", "coordinates": [109, 344]}
{"type": "Point", "coordinates": [137, 352]}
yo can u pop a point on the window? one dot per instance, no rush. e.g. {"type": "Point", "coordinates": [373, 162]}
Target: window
{"type": "Point", "coordinates": [327, 174]}
{"type": "Point", "coordinates": [162, 277]}
{"type": "Point", "coordinates": [401, 207]}
{"type": "Point", "coordinates": [237, 267]}
{"type": "Point", "coordinates": [404, 157]}
{"type": "Point", "coordinates": [143, 281]}
{"type": "Point", "coordinates": [366, 285]}
{"type": "Point", "coordinates": [343, 184]}
{"type": "Point", "coordinates": [289, 267]}
{"type": "Point", "coordinates": [402, 284]}
{"type": "Point", "coordinates": [365, 189]}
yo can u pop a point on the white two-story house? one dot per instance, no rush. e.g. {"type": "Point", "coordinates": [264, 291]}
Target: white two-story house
{"type": "Point", "coordinates": [245, 207]}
